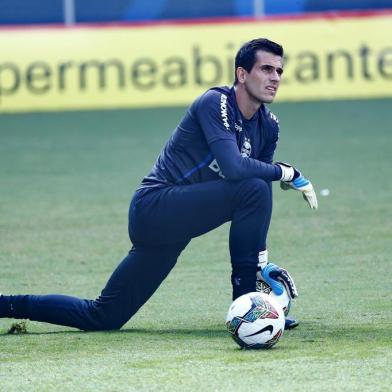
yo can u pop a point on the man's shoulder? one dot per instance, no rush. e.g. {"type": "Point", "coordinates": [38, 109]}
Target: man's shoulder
{"type": "Point", "coordinates": [217, 90]}
{"type": "Point", "coordinates": [270, 117]}
{"type": "Point", "coordinates": [216, 99]}
{"type": "Point", "coordinates": [271, 124]}
{"type": "Point", "coordinates": [214, 94]}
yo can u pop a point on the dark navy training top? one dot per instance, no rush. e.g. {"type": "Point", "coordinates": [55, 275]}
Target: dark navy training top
{"type": "Point", "coordinates": [214, 141]}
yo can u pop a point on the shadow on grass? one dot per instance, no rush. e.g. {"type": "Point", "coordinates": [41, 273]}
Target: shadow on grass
{"type": "Point", "coordinates": [307, 332]}
{"type": "Point", "coordinates": [212, 332]}
{"type": "Point", "coordinates": [310, 332]}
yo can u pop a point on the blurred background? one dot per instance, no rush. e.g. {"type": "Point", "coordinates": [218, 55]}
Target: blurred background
{"type": "Point", "coordinates": [73, 54]}
{"type": "Point", "coordinates": [92, 11]}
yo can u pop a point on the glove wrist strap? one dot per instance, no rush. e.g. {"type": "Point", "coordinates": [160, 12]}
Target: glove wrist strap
{"type": "Point", "coordinates": [287, 173]}
{"type": "Point", "coordinates": [263, 259]}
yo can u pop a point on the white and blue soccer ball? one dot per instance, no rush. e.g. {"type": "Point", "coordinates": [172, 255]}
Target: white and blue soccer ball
{"type": "Point", "coordinates": [283, 300]}
{"type": "Point", "coordinates": [255, 320]}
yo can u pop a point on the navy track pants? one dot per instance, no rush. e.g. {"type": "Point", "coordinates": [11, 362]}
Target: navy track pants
{"type": "Point", "coordinates": [162, 221]}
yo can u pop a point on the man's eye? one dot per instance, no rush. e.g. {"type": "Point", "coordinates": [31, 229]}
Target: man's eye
{"type": "Point", "coordinates": [267, 68]}
{"type": "Point", "coordinates": [270, 69]}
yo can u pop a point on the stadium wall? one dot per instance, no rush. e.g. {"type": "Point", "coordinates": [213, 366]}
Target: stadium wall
{"type": "Point", "coordinates": [328, 56]}
{"type": "Point", "coordinates": [92, 11]}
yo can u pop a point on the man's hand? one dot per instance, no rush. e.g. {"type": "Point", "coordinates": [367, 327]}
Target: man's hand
{"type": "Point", "coordinates": [303, 185]}
{"type": "Point", "coordinates": [293, 179]}
{"type": "Point", "coordinates": [278, 279]}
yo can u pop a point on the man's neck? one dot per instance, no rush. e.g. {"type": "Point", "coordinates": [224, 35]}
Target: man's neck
{"type": "Point", "coordinates": [248, 106]}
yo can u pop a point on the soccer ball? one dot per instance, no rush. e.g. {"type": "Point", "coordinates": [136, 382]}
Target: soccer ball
{"type": "Point", "coordinates": [283, 300]}
{"type": "Point", "coordinates": [255, 320]}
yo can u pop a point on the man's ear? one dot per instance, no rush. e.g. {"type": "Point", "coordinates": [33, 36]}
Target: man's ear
{"type": "Point", "coordinates": [241, 74]}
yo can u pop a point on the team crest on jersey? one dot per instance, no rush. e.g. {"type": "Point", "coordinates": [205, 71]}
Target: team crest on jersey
{"type": "Point", "coordinates": [246, 149]}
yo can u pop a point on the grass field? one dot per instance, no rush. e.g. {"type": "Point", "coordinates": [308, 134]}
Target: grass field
{"type": "Point", "coordinates": [65, 183]}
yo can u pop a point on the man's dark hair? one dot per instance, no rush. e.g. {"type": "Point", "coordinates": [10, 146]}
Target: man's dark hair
{"type": "Point", "coordinates": [246, 56]}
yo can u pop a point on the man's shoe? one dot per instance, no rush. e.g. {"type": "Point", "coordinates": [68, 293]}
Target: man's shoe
{"type": "Point", "coordinates": [290, 323]}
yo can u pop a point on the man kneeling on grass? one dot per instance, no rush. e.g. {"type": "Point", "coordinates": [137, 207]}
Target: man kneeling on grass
{"type": "Point", "coordinates": [216, 167]}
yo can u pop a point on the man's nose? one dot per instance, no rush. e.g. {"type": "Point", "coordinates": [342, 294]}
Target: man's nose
{"type": "Point", "coordinates": [275, 76]}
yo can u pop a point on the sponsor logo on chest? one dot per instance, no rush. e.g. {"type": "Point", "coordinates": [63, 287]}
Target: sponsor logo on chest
{"type": "Point", "coordinates": [238, 127]}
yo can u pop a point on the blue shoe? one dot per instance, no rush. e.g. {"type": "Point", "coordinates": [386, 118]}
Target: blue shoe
{"type": "Point", "coordinates": [290, 323]}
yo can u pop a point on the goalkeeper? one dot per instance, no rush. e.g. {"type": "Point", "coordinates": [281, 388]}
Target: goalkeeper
{"type": "Point", "coordinates": [216, 167]}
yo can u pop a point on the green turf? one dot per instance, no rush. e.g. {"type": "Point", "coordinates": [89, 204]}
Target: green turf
{"type": "Point", "coordinates": [65, 183]}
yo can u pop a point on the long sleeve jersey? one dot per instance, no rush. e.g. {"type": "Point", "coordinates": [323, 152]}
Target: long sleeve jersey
{"type": "Point", "coordinates": [214, 141]}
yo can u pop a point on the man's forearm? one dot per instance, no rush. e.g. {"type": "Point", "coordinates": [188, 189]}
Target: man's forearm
{"type": "Point", "coordinates": [236, 167]}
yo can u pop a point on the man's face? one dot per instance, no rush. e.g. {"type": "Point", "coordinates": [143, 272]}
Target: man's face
{"type": "Point", "coordinates": [262, 82]}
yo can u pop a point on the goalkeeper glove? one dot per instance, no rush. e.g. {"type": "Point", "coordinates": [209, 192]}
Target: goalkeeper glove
{"type": "Point", "coordinates": [293, 179]}
{"type": "Point", "coordinates": [278, 279]}
{"type": "Point", "coordinates": [289, 173]}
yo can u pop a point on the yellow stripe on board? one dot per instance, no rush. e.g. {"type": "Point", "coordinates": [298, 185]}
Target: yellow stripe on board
{"type": "Point", "coordinates": [52, 69]}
